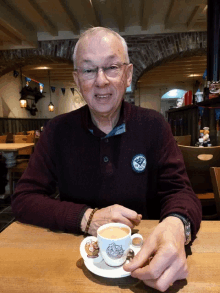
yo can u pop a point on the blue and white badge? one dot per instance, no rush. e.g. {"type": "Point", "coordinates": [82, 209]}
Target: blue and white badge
{"type": "Point", "coordinates": [139, 163]}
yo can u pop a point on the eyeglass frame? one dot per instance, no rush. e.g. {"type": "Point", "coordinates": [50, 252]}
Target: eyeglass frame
{"type": "Point", "coordinates": [104, 68]}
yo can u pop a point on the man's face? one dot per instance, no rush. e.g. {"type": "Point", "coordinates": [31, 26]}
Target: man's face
{"type": "Point", "coordinates": [103, 94]}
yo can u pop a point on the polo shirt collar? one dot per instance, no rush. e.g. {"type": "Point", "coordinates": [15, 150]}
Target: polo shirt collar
{"type": "Point", "coordinates": [117, 130]}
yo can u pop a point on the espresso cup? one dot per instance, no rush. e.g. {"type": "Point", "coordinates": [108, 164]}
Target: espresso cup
{"type": "Point", "coordinates": [114, 241]}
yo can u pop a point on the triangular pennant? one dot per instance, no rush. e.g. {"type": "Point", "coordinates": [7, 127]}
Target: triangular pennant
{"type": "Point", "coordinates": [63, 90]}
{"type": "Point", "coordinates": [27, 80]}
{"type": "Point", "coordinates": [41, 86]}
{"type": "Point", "coordinates": [53, 89]}
{"type": "Point", "coordinates": [72, 90]}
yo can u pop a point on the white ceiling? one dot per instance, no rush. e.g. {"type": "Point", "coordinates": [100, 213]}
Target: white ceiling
{"type": "Point", "coordinates": [25, 22]}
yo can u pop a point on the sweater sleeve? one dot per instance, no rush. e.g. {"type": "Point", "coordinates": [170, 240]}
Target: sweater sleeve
{"type": "Point", "coordinates": [174, 188]}
{"type": "Point", "coordinates": [31, 202]}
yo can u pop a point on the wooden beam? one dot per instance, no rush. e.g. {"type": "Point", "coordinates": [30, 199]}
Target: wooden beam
{"type": "Point", "coordinates": [146, 13]}
{"type": "Point", "coordinates": [120, 15]}
{"type": "Point", "coordinates": [14, 39]}
{"type": "Point", "coordinates": [50, 27]}
{"type": "Point", "coordinates": [194, 16]}
{"type": "Point", "coordinates": [196, 2]}
{"type": "Point", "coordinates": [173, 13]}
{"type": "Point", "coordinates": [16, 24]}
{"type": "Point", "coordinates": [70, 17]}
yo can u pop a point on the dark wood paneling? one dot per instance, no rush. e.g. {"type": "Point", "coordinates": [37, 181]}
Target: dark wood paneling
{"type": "Point", "coordinates": [15, 125]}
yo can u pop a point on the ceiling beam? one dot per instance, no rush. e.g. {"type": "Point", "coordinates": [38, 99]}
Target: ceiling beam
{"type": "Point", "coordinates": [173, 13]}
{"type": "Point", "coordinates": [194, 16]}
{"type": "Point", "coordinates": [145, 13]}
{"type": "Point", "coordinates": [17, 25]}
{"type": "Point", "coordinates": [49, 26]}
{"type": "Point", "coordinates": [120, 15]}
{"type": "Point", "coordinates": [196, 2]}
{"type": "Point", "coordinates": [90, 12]}
{"type": "Point", "coordinates": [70, 17]}
{"type": "Point", "coordinates": [13, 38]}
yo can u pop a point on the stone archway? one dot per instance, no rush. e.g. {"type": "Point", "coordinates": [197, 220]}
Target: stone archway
{"type": "Point", "coordinates": [145, 51]}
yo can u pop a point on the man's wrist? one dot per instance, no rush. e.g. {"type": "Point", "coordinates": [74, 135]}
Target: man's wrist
{"type": "Point", "coordinates": [186, 224]}
{"type": "Point", "coordinates": [85, 219]}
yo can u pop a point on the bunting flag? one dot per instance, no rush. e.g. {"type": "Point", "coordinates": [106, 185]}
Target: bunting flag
{"type": "Point", "coordinates": [41, 86]}
{"type": "Point", "coordinates": [63, 90]}
{"type": "Point", "coordinates": [72, 90]}
{"type": "Point", "coordinates": [27, 80]}
{"type": "Point", "coordinates": [16, 73]}
{"type": "Point", "coordinates": [53, 89]}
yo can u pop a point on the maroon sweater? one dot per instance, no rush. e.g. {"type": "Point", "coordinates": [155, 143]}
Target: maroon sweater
{"type": "Point", "coordinates": [95, 170]}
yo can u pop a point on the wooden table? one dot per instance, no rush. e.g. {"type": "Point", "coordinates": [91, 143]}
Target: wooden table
{"type": "Point", "coordinates": [36, 260]}
{"type": "Point", "coordinates": [9, 152]}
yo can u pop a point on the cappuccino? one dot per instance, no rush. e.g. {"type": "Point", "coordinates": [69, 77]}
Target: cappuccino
{"type": "Point", "coordinates": [114, 232]}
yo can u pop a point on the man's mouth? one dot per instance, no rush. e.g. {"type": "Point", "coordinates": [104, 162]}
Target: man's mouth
{"type": "Point", "coordinates": [103, 97]}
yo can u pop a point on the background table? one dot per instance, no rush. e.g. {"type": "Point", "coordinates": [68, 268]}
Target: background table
{"type": "Point", "coordinates": [36, 260]}
{"type": "Point", "coordinates": [9, 152]}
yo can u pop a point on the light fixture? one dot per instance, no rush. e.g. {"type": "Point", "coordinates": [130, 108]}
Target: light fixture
{"type": "Point", "coordinates": [23, 102]}
{"type": "Point", "coordinates": [23, 99]}
{"type": "Point", "coordinates": [50, 106]}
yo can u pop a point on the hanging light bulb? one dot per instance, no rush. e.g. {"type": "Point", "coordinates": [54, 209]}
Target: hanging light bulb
{"type": "Point", "coordinates": [50, 106]}
{"type": "Point", "coordinates": [23, 102]}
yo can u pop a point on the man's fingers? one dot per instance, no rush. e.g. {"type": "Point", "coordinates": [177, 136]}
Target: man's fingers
{"type": "Point", "coordinates": [141, 259]}
{"type": "Point", "coordinates": [131, 215]}
{"type": "Point", "coordinates": [167, 278]}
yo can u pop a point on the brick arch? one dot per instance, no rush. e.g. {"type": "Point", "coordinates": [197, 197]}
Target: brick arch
{"type": "Point", "coordinates": [57, 51]}
{"type": "Point", "coordinates": [145, 51]}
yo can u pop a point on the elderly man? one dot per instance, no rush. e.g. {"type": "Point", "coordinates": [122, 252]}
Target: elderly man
{"type": "Point", "coordinates": [113, 162]}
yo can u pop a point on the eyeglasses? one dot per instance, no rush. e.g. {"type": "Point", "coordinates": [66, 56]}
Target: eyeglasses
{"type": "Point", "coordinates": [91, 73]}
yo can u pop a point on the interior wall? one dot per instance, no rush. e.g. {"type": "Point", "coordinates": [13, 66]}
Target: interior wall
{"type": "Point", "coordinates": [10, 88]}
{"type": "Point", "coordinates": [150, 96]}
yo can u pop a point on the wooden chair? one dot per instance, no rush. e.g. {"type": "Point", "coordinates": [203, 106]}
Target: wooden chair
{"type": "Point", "coordinates": [198, 161]}
{"type": "Point", "coordinates": [183, 140]}
{"type": "Point", "coordinates": [3, 138]}
{"type": "Point", "coordinates": [9, 138]}
{"type": "Point", "coordinates": [24, 139]}
{"type": "Point", "coordinates": [215, 176]}
{"type": "Point", "coordinates": [31, 132]}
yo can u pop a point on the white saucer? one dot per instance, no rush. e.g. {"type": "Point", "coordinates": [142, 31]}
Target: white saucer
{"type": "Point", "coordinates": [98, 266]}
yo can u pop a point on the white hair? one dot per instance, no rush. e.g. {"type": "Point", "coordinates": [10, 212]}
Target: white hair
{"type": "Point", "coordinates": [94, 30]}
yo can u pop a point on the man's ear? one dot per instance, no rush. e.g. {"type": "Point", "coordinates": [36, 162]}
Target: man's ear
{"type": "Point", "coordinates": [76, 79]}
{"type": "Point", "coordinates": [129, 74]}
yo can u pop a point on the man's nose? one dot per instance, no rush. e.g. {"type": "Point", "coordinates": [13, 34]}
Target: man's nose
{"type": "Point", "coordinates": [101, 79]}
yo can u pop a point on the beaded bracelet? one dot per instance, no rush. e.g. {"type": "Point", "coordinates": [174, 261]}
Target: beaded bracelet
{"type": "Point", "coordinates": [90, 220]}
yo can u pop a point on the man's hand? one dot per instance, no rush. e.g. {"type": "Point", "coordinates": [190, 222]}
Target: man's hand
{"type": "Point", "coordinates": [112, 214]}
{"type": "Point", "coordinates": [166, 244]}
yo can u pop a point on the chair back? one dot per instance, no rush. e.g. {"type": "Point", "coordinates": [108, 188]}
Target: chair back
{"type": "Point", "coordinates": [183, 140]}
{"type": "Point", "coordinates": [3, 138]}
{"type": "Point", "coordinates": [9, 138]}
{"type": "Point", "coordinates": [215, 176]}
{"type": "Point", "coordinates": [24, 139]}
{"type": "Point", "coordinates": [31, 132]}
{"type": "Point", "coordinates": [198, 161]}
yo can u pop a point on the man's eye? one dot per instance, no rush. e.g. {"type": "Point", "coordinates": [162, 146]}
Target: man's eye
{"type": "Point", "coordinates": [86, 71]}
{"type": "Point", "coordinates": [113, 67]}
